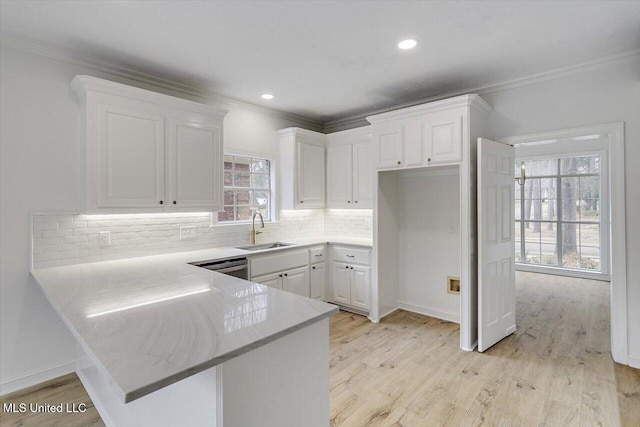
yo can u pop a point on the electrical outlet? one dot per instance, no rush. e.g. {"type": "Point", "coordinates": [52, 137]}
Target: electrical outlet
{"type": "Point", "coordinates": [188, 232]}
{"type": "Point", "coordinates": [105, 238]}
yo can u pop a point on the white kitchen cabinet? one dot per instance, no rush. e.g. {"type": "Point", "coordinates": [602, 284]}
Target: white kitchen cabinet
{"type": "Point", "coordinates": [350, 169]}
{"type": "Point", "coordinates": [424, 135]}
{"type": "Point", "coordinates": [317, 272]}
{"type": "Point", "coordinates": [443, 137]}
{"type": "Point", "coordinates": [286, 269]}
{"type": "Point", "coordinates": [195, 167]}
{"type": "Point", "coordinates": [390, 146]}
{"type": "Point", "coordinates": [297, 281]}
{"type": "Point", "coordinates": [351, 277]}
{"type": "Point", "coordinates": [341, 281]}
{"type": "Point", "coordinates": [147, 152]}
{"type": "Point", "coordinates": [274, 280]}
{"type": "Point", "coordinates": [318, 280]}
{"type": "Point", "coordinates": [302, 169]}
{"type": "Point", "coordinates": [129, 156]}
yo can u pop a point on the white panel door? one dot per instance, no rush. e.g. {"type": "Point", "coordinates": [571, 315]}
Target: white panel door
{"type": "Point", "coordinates": [443, 137]}
{"type": "Point", "coordinates": [318, 279]}
{"type": "Point", "coordinates": [196, 165]}
{"type": "Point", "coordinates": [496, 264]}
{"type": "Point", "coordinates": [361, 287]}
{"type": "Point", "coordinates": [390, 146]}
{"type": "Point", "coordinates": [339, 176]}
{"type": "Point", "coordinates": [271, 280]}
{"type": "Point", "coordinates": [341, 281]}
{"type": "Point", "coordinates": [297, 281]}
{"type": "Point", "coordinates": [132, 147]}
{"type": "Point", "coordinates": [310, 170]}
{"type": "Point", "coordinates": [363, 175]}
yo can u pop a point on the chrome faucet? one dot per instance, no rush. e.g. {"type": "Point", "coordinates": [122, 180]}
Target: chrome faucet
{"type": "Point", "coordinates": [254, 233]}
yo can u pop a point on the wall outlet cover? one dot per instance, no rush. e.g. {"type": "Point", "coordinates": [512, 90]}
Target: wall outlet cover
{"type": "Point", "coordinates": [188, 232]}
{"type": "Point", "coordinates": [105, 238]}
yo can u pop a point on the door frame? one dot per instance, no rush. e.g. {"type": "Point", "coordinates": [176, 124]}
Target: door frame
{"type": "Point", "coordinates": [617, 252]}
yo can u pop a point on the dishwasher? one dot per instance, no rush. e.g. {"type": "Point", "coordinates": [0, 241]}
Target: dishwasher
{"type": "Point", "coordinates": [237, 267]}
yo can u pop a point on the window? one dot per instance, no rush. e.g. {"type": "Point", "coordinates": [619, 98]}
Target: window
{"type": "Point", "coordinates": [558, 222]}
{"type": "Point", "coordinates": [247, 187]}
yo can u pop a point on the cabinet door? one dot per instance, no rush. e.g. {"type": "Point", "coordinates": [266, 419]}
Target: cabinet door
{"type": "Point", "coordinates": [271, 280]}
{"type": "Point", "coordinates": [297, 281]}
{"type": "Point", "coordinates": [361, 287]}
{"type": "Point", "coordinates": [131, 158]}
{"type": "Point", "coordinates": [318, 276]}
{"type": "Point", "coordinates": [363, 175]}
{"type": "Point", "coordinates": [196, 165]}
{"type": "Point", "coordinates": [341, 281]}
{"type": "Point", "coordinates": [339, 176]}
{"type": "Point", "coordinates": [443, 137]}
{"type": "Point", "coordinates": [390, 146]}
{"type": "Point", "coordinates": [310, 179]}
{"type": "Point", "coordinates": [414, 142]}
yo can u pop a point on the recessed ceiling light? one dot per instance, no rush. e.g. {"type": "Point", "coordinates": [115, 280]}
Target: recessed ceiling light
{"type": "Point", "coordinates": [408, 44]}
{"type": "Point", "coordinates": [267, 96]}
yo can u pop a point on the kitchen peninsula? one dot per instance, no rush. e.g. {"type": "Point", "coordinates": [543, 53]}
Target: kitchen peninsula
{"type": "Point", "coordinates": [162, 342]}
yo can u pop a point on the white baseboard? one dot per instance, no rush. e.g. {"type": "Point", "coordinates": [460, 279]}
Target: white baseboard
{"type": "Point", "coordinates": [393, 310]}
{"type": "Point", "coordinates": [430, 311]}
{"type": "Point", "coordinates": [633, 361]}
{"type": "Point", "coordinates": [472, 348]}
{"type": "Point", "coordinates": [19, 382]}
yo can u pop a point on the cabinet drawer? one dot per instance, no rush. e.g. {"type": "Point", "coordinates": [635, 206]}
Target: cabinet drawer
{"type": "Point", "coordinates": [317, 254]}
{"type": "Point", "coordinates": [272, 263]}
{"type": "Point", "coordinates": [351, 255]}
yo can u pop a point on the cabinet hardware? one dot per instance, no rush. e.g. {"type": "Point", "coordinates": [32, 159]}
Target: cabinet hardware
{"type": "Point", "coordinates": [399, 162]}
{"type": "Point", "coordinates": [161, 202]}
{"type": "Point", "coordinates": [314, 267]}
{"type": "Point", "coordinates": [346, 266]}
{"type": "Point", "coordinates": [351, 256]}
{"type": "Point", "coordinates": [348, 201]}
{"type": "Point", "coordinates": [279, 275]}
{"type": "Point", "coordinates": [301, 201]}
{"type": "Point", "coordinates": [286, 275]}
{"type": "Point", "coordinates": [175, 203]}
{"type": "Point", "coordinates": [428, 159]}
{"type": "Point", "coordinates": [355, 201]}
{"type": "Point", "coordinates": [317, 255]}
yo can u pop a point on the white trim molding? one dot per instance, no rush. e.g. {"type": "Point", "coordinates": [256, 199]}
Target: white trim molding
{"type": "Point", "coordinates": [617, 219]}
{"type": "Point", "coordinates": [430, 311]}
{"type": "Point", "coordinates": [37, 376]}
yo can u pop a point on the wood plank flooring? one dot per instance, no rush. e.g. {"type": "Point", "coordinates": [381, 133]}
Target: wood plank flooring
{"type": "Point", "coordinates": [556, 370]}
{"type": "Point", "coordinates": [408, 370]}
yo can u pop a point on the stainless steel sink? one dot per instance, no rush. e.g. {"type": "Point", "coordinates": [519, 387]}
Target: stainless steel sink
{"type": "Point", "coordinates": [264, 246]}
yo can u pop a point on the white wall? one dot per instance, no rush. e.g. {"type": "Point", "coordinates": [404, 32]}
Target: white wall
{"type": "Point", "coordinates": [429, 241]}
{"type": "Point", "coordinates": [602, 94]}
{"type": "Point", "coordinates": [39, 173]}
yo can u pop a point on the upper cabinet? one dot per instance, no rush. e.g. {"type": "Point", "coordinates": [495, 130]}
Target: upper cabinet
{"type": "Point", "coordinates": [302, 169]}
{"type": "Point", "coordinates": [424, 135]}
{"type": "Point", "coordinates": [350, 169]}
{"type": "Point", "coordinates": [146, 151]}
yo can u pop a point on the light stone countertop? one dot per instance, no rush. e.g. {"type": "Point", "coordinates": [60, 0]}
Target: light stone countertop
{"type": "Point", "coordinates": [151, 321]}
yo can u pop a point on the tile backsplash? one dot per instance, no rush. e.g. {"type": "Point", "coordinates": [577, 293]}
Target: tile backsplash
{"type": "Point", "coordinates": [66, 239]}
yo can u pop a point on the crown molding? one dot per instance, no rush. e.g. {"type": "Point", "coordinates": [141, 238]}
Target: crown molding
{"type": "Point", "coordinates": [292, 131]}
{"type": "Point", "coordinates": [360, 119]}
{"type": "Point", "coordinates": [190, 90]}
{"type": "Point", "coordinates": [458, 101]}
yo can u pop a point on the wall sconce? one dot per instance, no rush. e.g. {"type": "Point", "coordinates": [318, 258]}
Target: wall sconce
{"type": "Point", "coordinates": [523, 176]}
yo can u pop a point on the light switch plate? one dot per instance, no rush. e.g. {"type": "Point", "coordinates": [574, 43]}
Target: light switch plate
{"type": "Point", "coordinates": [188, 232]}
{"type": "Point", "coordinates": [105, 238]}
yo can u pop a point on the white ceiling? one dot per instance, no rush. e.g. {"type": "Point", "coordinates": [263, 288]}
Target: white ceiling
{"type": "Point", "coordinates": [328, 60]}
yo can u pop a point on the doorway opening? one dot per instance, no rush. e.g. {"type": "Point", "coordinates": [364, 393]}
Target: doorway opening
{"type": "Point", "coordinates": [602, 218]}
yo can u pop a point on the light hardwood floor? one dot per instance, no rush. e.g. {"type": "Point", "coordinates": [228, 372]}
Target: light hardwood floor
{"type": "Point", "coordinates": [408, 370]}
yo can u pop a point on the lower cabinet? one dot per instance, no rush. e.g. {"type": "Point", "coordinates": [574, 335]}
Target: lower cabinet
{"type": "Point", "coordinates": [295, 281]}
{"type": "Point", "coordinates": [351, 281]}
{"type": "Point", "coordinates": [318, 279]}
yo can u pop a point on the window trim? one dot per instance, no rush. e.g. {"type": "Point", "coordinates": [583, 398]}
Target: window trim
{"type": "Point", "coordinates": [273, 210]}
